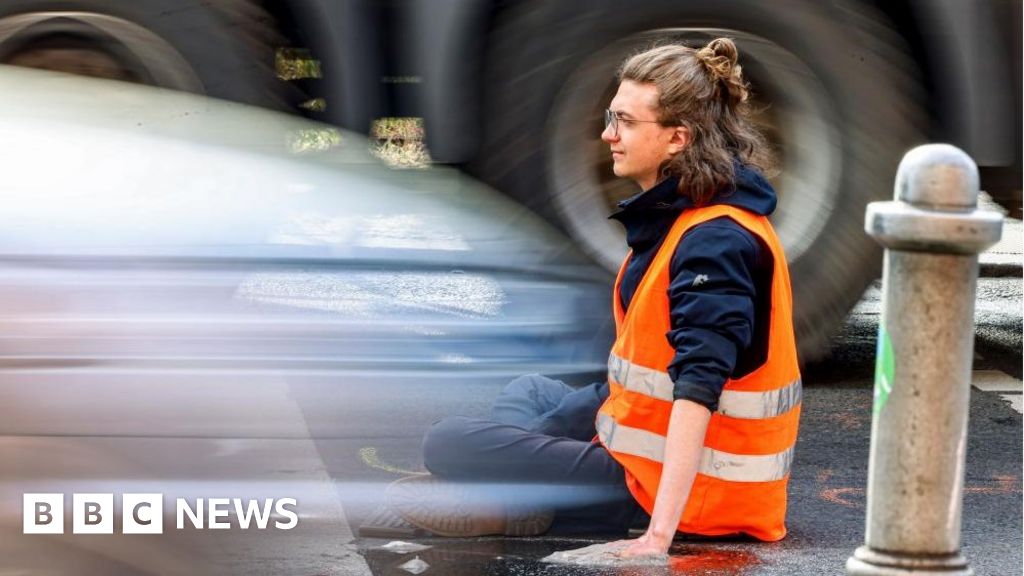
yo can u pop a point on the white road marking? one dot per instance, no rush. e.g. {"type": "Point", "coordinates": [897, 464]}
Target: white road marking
{"type": "Point", "coordinates": [370, 457]}
{"type": "Point", "coordinates": [996, 381]}
{"type": "Point", "coordinates": [1007, 250]}
{"type": "Point", "coordinates": [1016, 402]}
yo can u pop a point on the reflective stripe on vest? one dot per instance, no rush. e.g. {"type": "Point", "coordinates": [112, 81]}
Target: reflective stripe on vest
{"type": "Point", "coordinates": [732, 403]}
{"type": "Point", "coordinates": [747, 450]}
{"type": "Point", "coordinates": [714, 463]}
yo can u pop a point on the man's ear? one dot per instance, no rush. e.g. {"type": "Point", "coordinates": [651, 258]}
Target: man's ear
{"type": "Point", "coordinates": [680, 139]}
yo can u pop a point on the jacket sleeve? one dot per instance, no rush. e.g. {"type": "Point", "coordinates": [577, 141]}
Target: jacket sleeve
{"type": "Point", "coordinates": [711, 298]}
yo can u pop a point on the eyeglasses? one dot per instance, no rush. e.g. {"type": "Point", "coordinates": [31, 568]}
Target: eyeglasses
{"type": "Point", "coordinates": [612, 119]}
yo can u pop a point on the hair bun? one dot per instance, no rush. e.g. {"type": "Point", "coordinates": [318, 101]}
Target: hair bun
{"type": "Point", "coordinates": [719, 58]}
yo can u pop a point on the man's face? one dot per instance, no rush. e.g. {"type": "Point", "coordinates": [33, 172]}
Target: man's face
{"type": "Point", "coordinates": [641, 144]}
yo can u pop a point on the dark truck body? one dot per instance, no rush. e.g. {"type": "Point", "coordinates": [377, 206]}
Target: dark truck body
{"type": "Point", "coordinates": [427, 58]}
{"type": "Point", "coordinates": [490, 79]}
{"type": "Point", "coordinates": [511, 91]}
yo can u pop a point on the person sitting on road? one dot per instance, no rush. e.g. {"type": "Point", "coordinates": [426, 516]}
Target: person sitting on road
{"type": "Point", "coordinates": [693, 430]}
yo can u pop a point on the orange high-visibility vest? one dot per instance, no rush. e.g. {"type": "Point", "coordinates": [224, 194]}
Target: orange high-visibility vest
{"type": "Point", "coordinates": [748, 449]}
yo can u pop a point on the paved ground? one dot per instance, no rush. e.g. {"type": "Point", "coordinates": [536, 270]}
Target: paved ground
{"type": "Point", "coordinates": [826, 510]}
{"type": "Point", "coordinates": [830, 473]}
{"type": "Point", "coordinates": [338, 483]}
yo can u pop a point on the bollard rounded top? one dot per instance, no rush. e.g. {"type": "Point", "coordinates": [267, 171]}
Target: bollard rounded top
{"type": "Point", "coordinates": [938, 176]}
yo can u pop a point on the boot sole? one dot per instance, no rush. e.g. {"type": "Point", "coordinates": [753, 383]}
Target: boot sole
{"type": "Point", "coordinates": [447, 509]}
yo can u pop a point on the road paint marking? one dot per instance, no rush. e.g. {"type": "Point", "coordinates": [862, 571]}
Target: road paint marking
{"type": "Point", "coordinates": [836, 496]}
{"type": "Point", "coordinates": [849, 420]}
{"type": "Point", "coordinates": [369, 457]}
{"type": "Point", "coordinates": [996, 381]}
{"type": "Point", "coordinates": [1004, 484]}
{"type": "Point", "coordinates": [716, 561]}
{"type": "Point", "coordinates": [1016, 401]}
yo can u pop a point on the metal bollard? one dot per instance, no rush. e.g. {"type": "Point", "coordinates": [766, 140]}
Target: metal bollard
{"type": "Point", "coordinates": [932, 233]}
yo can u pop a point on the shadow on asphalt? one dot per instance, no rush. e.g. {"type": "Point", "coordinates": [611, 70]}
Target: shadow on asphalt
{"type": "Point", "coordinates": [519, 557]}
{"type": "Point", "coordinates": [826, 506]}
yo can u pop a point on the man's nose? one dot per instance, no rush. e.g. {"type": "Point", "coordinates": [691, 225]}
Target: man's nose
{"type": "Point", "coordinates": [608, 136]}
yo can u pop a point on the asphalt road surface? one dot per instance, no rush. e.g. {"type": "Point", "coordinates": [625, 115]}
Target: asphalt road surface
{"type": "Point", "coordinates": [826, 519]}
{"type": "Point", "coordinates": [827, 487]}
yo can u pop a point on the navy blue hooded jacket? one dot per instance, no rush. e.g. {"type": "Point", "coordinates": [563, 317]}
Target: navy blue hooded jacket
{"type": "Point", "coordinates": [720, 287]}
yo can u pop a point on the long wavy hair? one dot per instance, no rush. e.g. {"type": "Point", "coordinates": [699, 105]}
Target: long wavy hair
{"type": "Point", "coordinates": [703, 89]}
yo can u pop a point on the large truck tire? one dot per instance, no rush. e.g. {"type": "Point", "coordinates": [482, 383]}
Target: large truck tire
{"type": "Point", "coordinates": [223, 49]}
{"type": "Point", "coordinates": [841, 97]}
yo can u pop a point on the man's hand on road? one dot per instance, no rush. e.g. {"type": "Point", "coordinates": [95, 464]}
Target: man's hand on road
{"type": "Point", "coordinates": [640, 552]}
{"type": "Point", "coordinates": [646, 545]}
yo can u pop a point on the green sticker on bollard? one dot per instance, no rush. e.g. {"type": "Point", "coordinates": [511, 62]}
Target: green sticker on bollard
{"type": "Point", "coordinates": [885, 367]}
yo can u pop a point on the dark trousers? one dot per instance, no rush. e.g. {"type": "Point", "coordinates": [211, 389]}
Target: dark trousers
{"type": "Point", "coordinates": [535, 451]}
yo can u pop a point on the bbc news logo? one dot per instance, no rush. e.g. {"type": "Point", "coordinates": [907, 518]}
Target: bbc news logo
{"type": "Point", "coordinates": [143, 513]}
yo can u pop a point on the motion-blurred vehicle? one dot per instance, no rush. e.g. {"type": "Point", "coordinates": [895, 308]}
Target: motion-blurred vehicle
{"type": "Point", "coordinates": [207, 299]}
{"type": "Point", "coordinates": [512, 92]}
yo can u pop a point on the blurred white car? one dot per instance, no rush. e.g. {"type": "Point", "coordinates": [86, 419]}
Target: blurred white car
{"type": "Point", "coordinates": [203, 299]}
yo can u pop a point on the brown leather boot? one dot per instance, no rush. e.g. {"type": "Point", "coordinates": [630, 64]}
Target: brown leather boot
{"type": "Point", "coordinates": [456, 510]}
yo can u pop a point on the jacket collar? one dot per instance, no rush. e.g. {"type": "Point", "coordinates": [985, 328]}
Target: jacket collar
{"type": "Point", "coordinates": [648, 214]}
